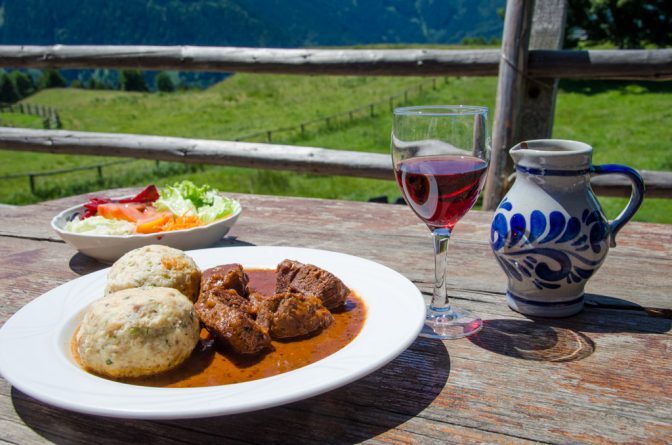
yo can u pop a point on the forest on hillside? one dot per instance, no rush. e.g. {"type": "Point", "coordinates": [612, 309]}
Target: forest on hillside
{"type": "Point", "coordinates": [273, 23]}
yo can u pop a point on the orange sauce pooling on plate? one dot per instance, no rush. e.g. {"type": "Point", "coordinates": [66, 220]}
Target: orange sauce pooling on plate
{"type": "Point", "coordinates": [210, 365]}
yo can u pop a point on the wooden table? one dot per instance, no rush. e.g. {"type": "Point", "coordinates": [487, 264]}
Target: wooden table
{"type": "Point", "coordinates": [604, 376]}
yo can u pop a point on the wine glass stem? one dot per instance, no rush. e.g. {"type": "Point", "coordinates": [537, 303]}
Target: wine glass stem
{"type": "Point", "coordinates": [440, 296]}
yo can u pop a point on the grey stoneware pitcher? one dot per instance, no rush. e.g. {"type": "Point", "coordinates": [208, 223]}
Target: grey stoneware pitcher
{"type": "Point", "coordinates": [549, 233]}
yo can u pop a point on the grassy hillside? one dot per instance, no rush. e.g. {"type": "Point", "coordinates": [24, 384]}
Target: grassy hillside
{"type": "Point", "coordinates": [20, 120]}
{"type": "Point", "coordinates": [626, 123]}
{"type": "Point", "coordinates": [240, 105]}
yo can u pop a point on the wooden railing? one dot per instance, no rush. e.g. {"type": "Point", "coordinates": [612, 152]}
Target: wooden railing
{"type": "Point", "coordinates": [527, 87]}
{"type": "Point", "coordinates": [592, 64]}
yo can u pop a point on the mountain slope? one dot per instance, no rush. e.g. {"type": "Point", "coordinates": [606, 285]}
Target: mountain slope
{"type": "Point", "coordinates": [247, 22]}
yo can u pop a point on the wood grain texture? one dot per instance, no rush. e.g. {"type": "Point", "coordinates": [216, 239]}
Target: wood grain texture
{"type": "Point", "coordinates": [602, 376]}
{"type": "Point", "coordinates": [593, 64]}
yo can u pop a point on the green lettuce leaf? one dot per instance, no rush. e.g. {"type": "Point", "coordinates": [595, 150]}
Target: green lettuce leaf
{"type": "Point", "coordinates": [204, 201]}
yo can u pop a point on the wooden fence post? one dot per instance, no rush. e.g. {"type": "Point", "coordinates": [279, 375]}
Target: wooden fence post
{"type": "Point", "coordinates": [538, 101]}
{"type": "Point", "coordinates": [512, 68]}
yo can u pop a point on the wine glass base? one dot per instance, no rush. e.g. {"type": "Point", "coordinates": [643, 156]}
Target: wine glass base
{"type": "Point", "coordinates": [450, 324]}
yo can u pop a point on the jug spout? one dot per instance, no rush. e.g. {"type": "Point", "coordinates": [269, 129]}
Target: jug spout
{"type": "Point", "coordinates": [541, 155]}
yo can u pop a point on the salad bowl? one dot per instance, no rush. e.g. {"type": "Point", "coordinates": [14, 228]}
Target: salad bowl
{"type": "Point", "coordinates": [108, 248]}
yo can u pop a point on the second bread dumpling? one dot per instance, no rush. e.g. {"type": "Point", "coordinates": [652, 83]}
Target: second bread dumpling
{"type": "Point", "coordinates": [155, 266]}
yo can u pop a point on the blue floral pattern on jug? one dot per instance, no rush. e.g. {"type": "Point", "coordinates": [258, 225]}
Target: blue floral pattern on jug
{"type": "Point", "coordinates": [549, 248]}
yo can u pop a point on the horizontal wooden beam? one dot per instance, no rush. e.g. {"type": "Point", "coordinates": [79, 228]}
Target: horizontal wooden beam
{"type": "Point", "coordinates": [409, 62]}
{"type": "Point", "coordinates": [658, 184]}
{"type": "Point", "coordinates": [631, 64]}
{"type": "Point", "coordinates": [240, 154]}
{"type": "Point", "coordinates": [313, 160]}
{"type": "Point", "coordinates": [593, 64]}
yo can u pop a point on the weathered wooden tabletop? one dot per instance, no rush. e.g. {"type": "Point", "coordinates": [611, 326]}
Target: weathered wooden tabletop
{"type": "Point", "coordinates": [604, 376]}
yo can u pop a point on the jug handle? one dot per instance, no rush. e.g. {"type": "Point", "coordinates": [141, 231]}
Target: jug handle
{"type": "Point", "coordinates": [636, 196]}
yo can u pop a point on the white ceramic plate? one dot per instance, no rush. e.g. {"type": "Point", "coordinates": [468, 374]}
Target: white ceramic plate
{"type": "Point", "coordinates": [35, 344]}
{"type": "Point", "coordinates": [108, 248]}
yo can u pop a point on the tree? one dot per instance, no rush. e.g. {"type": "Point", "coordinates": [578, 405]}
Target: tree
{"type": "Point", "coordinates": [164, 83]}
{"type": "Point", "coordinates": [97, 84]}
{"type": "Point", "coordinates": [626, 23]}
{"type": "Point", "coordinates": [52, 79]}
{"type": "Point", "coordinates": [477, 40]}
{"type": "Point", "coordinates": [23, 82]}
{"type": "Point", "coordinates": [8, 92]}
{"type": "Point", "coordinates": [132, 80]}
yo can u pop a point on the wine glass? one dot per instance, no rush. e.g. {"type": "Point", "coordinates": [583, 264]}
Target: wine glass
{"type": "Point", "coordinates": [440, 156]}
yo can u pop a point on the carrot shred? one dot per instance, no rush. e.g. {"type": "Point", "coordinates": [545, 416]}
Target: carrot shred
{"type": "Point", "coordinates": [154, 222]}
{"type": "Point", "coordinates": [185, 221]}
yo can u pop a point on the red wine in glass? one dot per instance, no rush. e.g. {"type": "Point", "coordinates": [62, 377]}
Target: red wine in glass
{"type": "Point", "coordinates": [440, 155]}
{"type": "Point", "coordinates": [441, 189]}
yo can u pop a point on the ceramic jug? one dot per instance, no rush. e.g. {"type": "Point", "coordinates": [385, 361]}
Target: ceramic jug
{"type": "Point", "coordinates": [549, 233]}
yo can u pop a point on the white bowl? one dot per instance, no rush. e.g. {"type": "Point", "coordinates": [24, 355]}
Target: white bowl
{"type": "Point", "coordinates": [108, 248]}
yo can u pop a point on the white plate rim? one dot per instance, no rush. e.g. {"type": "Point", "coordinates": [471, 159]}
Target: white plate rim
{"type": "Point", "coordinates": [37, 336]}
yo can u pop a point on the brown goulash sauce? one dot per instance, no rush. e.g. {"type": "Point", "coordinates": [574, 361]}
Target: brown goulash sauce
{"type": "Point", "coordinates": [212, 366]}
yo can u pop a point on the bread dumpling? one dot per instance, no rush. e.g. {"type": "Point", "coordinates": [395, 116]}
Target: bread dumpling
{"type": "Point", "coordinates": [137, 332]}
{"type": "Point", "coordinates": [158, 266]}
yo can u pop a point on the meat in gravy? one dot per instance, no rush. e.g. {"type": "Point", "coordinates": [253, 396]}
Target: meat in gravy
{"type": "Point", "coordinates": [246, 322]}
{"type": "Point", "coordinates": [289, 315]}
{"type": "Point", "coordinates": [306, 279]}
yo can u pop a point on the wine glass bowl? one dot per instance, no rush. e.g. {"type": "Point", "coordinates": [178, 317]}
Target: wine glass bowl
{"type": "Point", "coordinates": [441, 189]}
{"type": "Point", "coordinates": [440, 156]}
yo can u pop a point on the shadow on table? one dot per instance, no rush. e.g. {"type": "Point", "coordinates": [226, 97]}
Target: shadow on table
{"type": "Point", "coordinates": [565, 339]}
{"type": "Point", "coordinates": [624, 316]}
{"type": "Point", "coordinates": [354, 413]}
{"type": "Point", "coordinates": [610, 315]}
{"type": "Point", "coordinates": [82, 264]}
{"type": "Point", "coordinates": [530, 340]}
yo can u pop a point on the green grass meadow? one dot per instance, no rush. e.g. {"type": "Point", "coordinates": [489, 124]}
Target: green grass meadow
{"type": "Point", "coordinates": [629, 123]}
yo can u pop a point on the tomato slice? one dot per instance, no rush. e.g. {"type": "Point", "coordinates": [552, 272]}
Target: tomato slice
{"type": "Point", "coordinates": [129, 211]}
{"type": "Point", "coordinates": [154, 222]}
